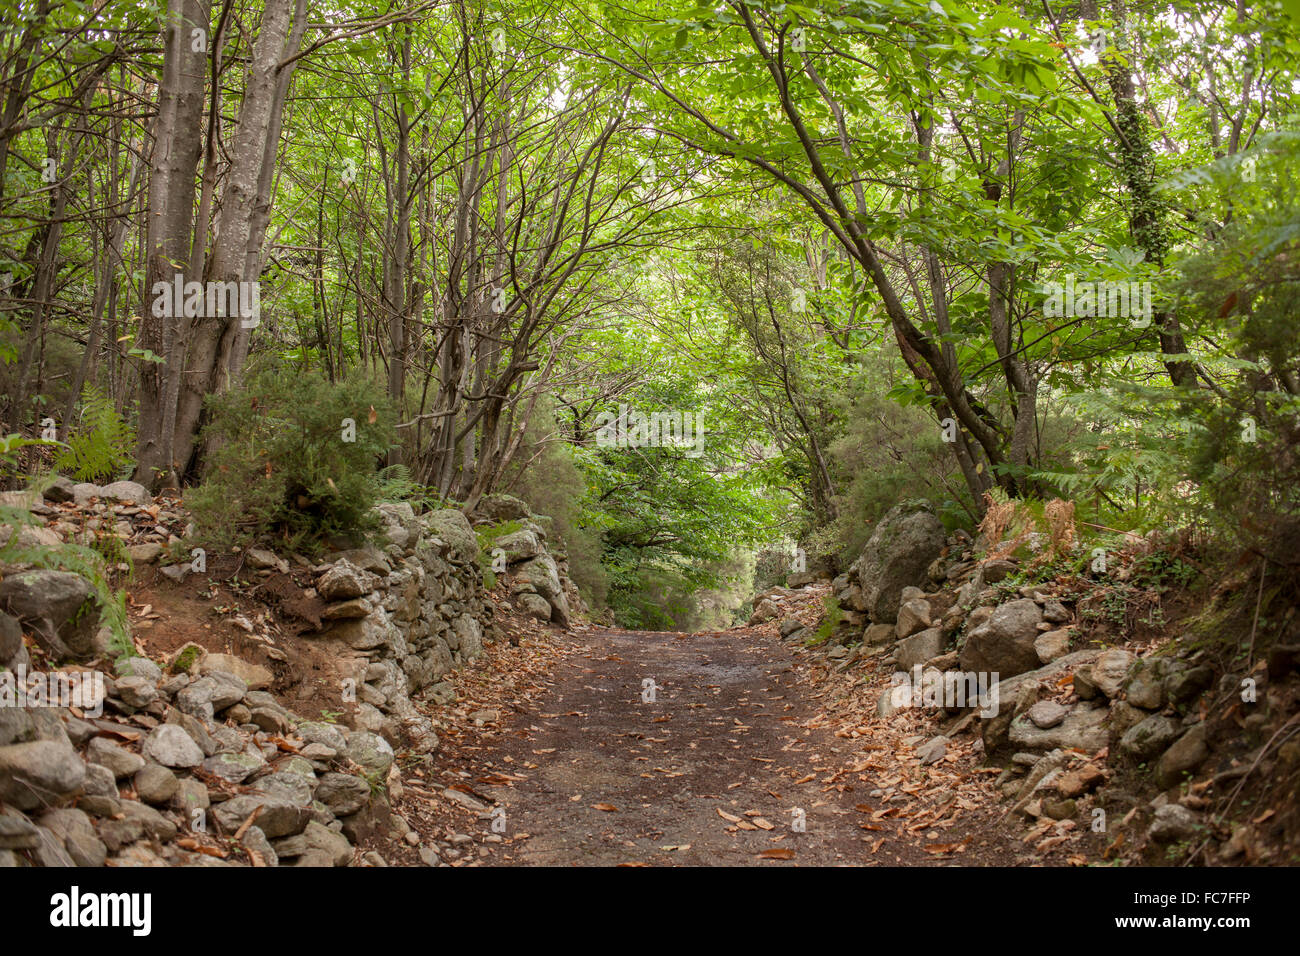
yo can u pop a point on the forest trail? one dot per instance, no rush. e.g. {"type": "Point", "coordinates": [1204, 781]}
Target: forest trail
{"type": "Point", "coordinates": [716, 770]}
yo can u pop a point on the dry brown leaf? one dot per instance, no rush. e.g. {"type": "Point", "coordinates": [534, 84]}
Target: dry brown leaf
{"type": "Point", "coordinates": [778, 854]}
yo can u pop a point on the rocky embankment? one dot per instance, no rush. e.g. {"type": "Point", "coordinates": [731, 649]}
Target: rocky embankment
{"type": "Point", "coordinates": [192, 760]}
{"type": "Point", "coordinates": [1142, 742]}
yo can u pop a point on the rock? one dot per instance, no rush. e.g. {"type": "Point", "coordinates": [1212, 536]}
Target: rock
{"type": "Point", "coordinates": [1173, 822]}
{"type": "Point", "coordinates": [255, 839]}
{"type": "Point", "coordinates": [317, 845]}
{"type": "Point", "coordinates": [138, 667]}
{"type": "Point", "coordinates": [319, 732]}
{"type": "Point", "coordinates": [1005, 644]}
{"type": "Point", "coordinates": [198, 733]}
{"type": "Point", "coordinates": [877, 634]}
{"type": "Point", "coordinates": [453, 528]}
{"type": "Point", "coordinates": [1047, 714]}
{"type": "Point", "coordinates": [146, 553]}
{"type": "Point", "coordinates": [171, 746]}
{"type": "Point", "coordinates": [996, 569]}
{"type": "Point", "coordinates": [1186, 754]}
{"type": "Point", "coordinates": [766, 610]}
{"type": "Point", "coordinates": [913, 617]}
{"type": "Point", "coordinates": [1184, 685]}
{"type": "Point", "coordinates": [1148, 738]}
{"type": "Point", "coordinates": [519, 546]}
{"type": "Point", "coordinates": [344, 580]}
{"type": "Point", "coordinates": [234, 767]}
{"type": "Point", "coordinates": [59, 490]}
{"type": "Point", "coordinates": [933, 750]}
{"type": "Point", "coordinates": [919, 648]}
{"type": "Point", "coordinates": [534, 605]}
{"type": "Point", "coordinates": [1079, 781]}
{"type": "Point", "coordinates": [39, 773]}
{"type": "Point", "coordinates": [11, 641]}
{"type": "Point", "coordinates": [348, 610]}
{"type": "Point", "coordinates": [400, 525]}
{"type": "Point", "coordinates": [541, 575]}
{"type": "Point", "coordinates": [898, 554]}
{"type": "Point", "coordinates": [1084, 688]}
{"type": "Point", "coordinates": [1054, 612]}
{"type": "Point", "coordinates": [370, 752]}
{"type": "Point", "coordinates": [155, 784]}
{"type": "Point", "coordinates": [84, 491]}
{"type": "Point", "coordinates": [789, 625]}
{"type": "Point", "coordinates": [117, 759]}
{"type": "Point", "coordinates": [138, 692]}
{"type": "Point", "coordinates": [280, 817]}
{"type": "Point", "coordinates": [175, 572]}
{"type": "Point", "coordinates": [1052, 644]}
{"type": "Point", "coordinates": [1082, 729]}
{"type": "Point", "coordinates": [254, 676]}
{"type": "Point", "coordinates": [259, 559]}
{"type": "Point", "coordinates": [58, 605]}
{"type": "Point", "coordinates": [228, 691]}
{"type": "Point", "coordinates": [128, 491]}
{"type": "Point", "coordinates": [196, 699]}
{"type": "Point", "coordinates": [1059, 809]}
{"type": "Point", "coordinates": [190, 796]}
{"type": "Point", "coordinates": [343, 793]}
{"type": "Point", "coordinates": [76, 835]}
{"type": "Point", "coordinates": [501, 507]}
{"type": "Point", "coordinates": [1110, 670]}
{"type": "Point", "coordinates": [99, 781]}
{"type": "Point", "coordinates": [1145, 687]}
{"type": "Point", "coordinates": [16, 831]}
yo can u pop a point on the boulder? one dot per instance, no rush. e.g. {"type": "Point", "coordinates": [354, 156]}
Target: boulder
{"type": "Point", "coordinates": [58, 605]}
{"type": "Point", "coordinates": [1004, 644]}
{"type": "Point", "coordinates": [519, 546]}
{"type": "Point", "coordinates": [129, 491]}
{"type": "Point", "coordinates": [918, 648]}
{"type": "Point", "coordinates": [279, 817]}
{"type": "Point", "coordinates": [344, 580]}
{"type": "Point", "coordinates": [541, 576]}
{"type": "Point", "coordinates": [1186, 754]}
{"type": "Point", "coordinates": [171, 746]}
{"type": "Point", "coordinates": [898, 554]}
{"type": "Point", "coordinates": [500, 507]}
{"type": "Point", "coordinates": [1110, 670]}
{"type": "Point", "coordinates": [454, 530]}
{"type": "Point", "coordinates": [1082, 729]}
{"type": "Point", "coordinates": [1147, 738]}
{"type": "Point", "coordinates": [39, 773]}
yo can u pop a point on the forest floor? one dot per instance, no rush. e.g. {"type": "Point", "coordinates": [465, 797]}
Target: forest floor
{"type": "Point", "coordinates": [742, 758]}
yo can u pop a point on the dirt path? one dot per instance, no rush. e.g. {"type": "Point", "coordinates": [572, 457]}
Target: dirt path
{"type": "Point", "coordinates": [590, 774]}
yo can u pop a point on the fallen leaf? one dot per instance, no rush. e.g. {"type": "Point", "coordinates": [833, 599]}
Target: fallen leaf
{"type": "Point", "coordinates": [780, 854]}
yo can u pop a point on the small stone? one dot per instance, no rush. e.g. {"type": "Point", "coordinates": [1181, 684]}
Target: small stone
{"type": "Point", "coordinates": [120, 761]}
{"type": "Point", "coordinates": [1173, 822]}
{"type": "Point", "coordinates": [171, 746]}
{"type": "Point", "coordinates": [234, 767]}
{"type": "Point", "coordinates": [1047, 714]}
{"type": "Point", "coordinates": [155, 784]}
{"type": "Point", "coordinates": [138, 692]}
{"type": "Point", "coordinates": [146, 553]}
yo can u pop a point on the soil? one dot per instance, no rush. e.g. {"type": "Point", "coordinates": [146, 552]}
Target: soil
{"type": "Point", "coordinates": [715, 771]}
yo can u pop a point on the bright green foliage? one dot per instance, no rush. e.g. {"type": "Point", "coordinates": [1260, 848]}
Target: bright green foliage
{"type": "Point", "coordinates": [295, 457]}
{"type": "Point", "coordinates": [100, 446]}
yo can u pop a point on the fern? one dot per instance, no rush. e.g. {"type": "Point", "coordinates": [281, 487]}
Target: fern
{"type": "Point", "coordinates": [99, 449]}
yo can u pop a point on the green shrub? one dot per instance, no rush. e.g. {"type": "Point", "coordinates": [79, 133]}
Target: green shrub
{"type": "Point", "coordinates": [100, 447]}
{"type": "Point", "coordinates": [295, 457]}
